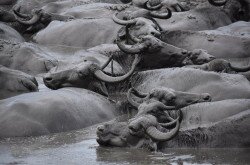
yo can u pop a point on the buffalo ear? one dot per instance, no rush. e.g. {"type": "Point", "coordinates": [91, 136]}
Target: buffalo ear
{"type": "Point", "coordinates": [99, 87]}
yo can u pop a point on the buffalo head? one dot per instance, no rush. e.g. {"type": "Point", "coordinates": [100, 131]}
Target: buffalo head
{"type": "Point", "coordinates": [138, 24]}
{"type": "Point", "coordinates": [169, 97]}
{"type": "Point", "coordinates": [152, 47]}
{"type": "Point", "coordinates": [87, 74]}
{"type": "Point", "coordinates": [113, 134]}
{"type": "Point", "coordinates": [140, 132]}
{"type": "Point", "coordinates": [117, 134]}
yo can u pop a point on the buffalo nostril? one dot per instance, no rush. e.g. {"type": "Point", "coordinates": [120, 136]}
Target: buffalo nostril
{"type": "Point", "coordinates": [206, 97]}
{"type": "Point", "coordinates": [100, 128]}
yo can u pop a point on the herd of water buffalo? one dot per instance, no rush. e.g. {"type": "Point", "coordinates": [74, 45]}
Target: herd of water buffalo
{"type": "Point", "coordinates": [176, 72]}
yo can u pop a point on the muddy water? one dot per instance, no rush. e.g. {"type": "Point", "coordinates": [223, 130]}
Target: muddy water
{"type": "Point", "coordinates": [80, 148]}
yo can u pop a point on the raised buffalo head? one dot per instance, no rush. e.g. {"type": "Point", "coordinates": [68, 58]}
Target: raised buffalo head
{"type": "Point", "coordinates": [138, 26]}
{"type": "Point", "coordinates": [87, 74]}
{"type": "Point", "coordinates": [169, 97]}
{"type": "Point", "coordinates": [155, 47]}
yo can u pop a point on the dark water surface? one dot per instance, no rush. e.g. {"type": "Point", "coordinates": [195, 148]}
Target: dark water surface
{"type": "Point", "coordinates": [80, 148]}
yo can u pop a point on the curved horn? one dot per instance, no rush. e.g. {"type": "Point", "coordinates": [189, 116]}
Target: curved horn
{"type": "Point", "coordinates": [156, 7]}
{"type": "Point", "coordinates": [103, 77]}
{"type": "Point", "coordinates": [131, 49]}
{"type": "Point", "coordinates": [122, 22]}
{"type": "Point", "coordinates": [106, 63]}
{"type": "Point", "coordinates": [16, 11]}
{"type": "Point", "coordinates": [157, 135]}
{"type": "Point", "coordinates": [217, 3]}
{"type": "Point", "coordinates": [240, 69]}
{"type": "Point", "coordinates": [161, 15]}
{"type": "Point", "coordinates": [172, 121]}
{"type": "Point", "coordinates": [166, 125]}
{"type": "Point", "coordinates": [32, 21]}
{"type": "Point", "coordinates": [130, 100]}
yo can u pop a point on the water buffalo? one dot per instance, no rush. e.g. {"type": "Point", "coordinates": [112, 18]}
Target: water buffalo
{"type": "Point", "coordinates": [8, 33]}
{"type": "Point", "coordinates": [220, 65]}
{"type": "Point", "coordinates": [87, 74]}
{"type": "Point", "coordinates": [93, 10]}
{"type": "Point", "coordinates": [13, 82]}
{"type": "Point", "coordinates": [204, 17]}
{"type": "Point", "coordinates": [9, 19]}
{"type": "Point", "coordinates": [220, 86]}
{"type": "Point", "coordinates": [40, 113]}
{"type": "Point", "coordinates": [40, 16]}
{"type": "Point", "coordinates": [216, 124]}
{"type": "Point", "coordinates": [56, 6]}
{"type": "Point", "coordinates": [26, 57]}
{"type": "Point", "coordinates": [232, 41]}
{"type": "Point", "coordinates": [131, 134]}
{"type": "Point", "coordinates": [170, 98]}
{"type": "Point", "coordinates": [241, 13]}
{"type": "Point", "coordinates": [101, 30]}
{"type": "Point", "coordinates": [174, 5]}
{"type": "Point", "coordinates": [158, 54]}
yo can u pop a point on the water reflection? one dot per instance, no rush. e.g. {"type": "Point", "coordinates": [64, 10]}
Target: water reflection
{"type": "Point", "coordinates": [174, 156]}
{"type": "Point", "coordinates": [80, 147]}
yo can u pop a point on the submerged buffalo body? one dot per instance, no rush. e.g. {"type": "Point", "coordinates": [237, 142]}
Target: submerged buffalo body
{"type": "Point", "coordinates": [26, 57]}
{"type": "Point", "coordinates": [8, 33]}
{"type": "Point", "coordinates": [220, 86]}
{"type": "Point", "coordinates": [40, 113]}
{"type": "Point", "coordinates": [219, 42]}
{"type": "Point", "coordinates": [14, 82]}
{"type": "Point", "coordinates": [92, 32]}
